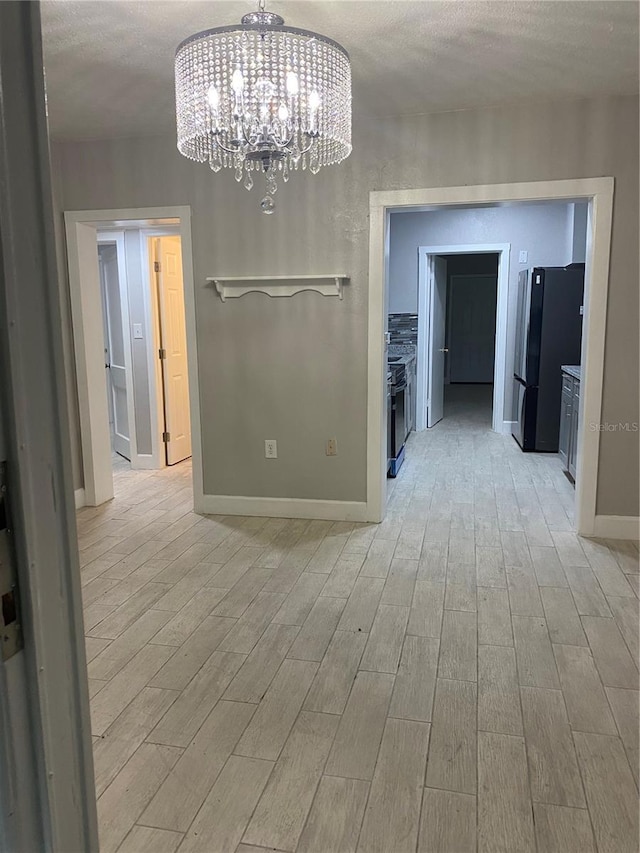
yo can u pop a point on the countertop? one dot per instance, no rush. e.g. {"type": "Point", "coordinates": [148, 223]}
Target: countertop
{"type": "Point", "coordinates": [572, 370]}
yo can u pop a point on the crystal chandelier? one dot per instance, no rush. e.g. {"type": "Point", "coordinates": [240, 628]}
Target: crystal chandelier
{"type": "Point", "coordinates": [261, 97]}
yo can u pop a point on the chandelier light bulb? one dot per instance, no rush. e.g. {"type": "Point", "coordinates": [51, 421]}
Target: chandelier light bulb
{"type": "Point", "coordinates": [261, 96]}
{"type": "Point", "coordinates": [237, 81]}
{"type": "Point", "coordinates": [293, 87]}
{"type": "Point", "coordinates": [213, 97]}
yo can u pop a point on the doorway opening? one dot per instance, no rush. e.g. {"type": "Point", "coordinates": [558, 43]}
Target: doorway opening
{"type": "Point", "coordinates": [463, 301]}
{"type": "Point", "coordinates": [131, 280]}
{"type": "Point", "coordinates": [596, 197]}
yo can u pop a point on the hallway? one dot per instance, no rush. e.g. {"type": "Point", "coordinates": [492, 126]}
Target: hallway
{"type": "Point", "coordinates": [462, 676]}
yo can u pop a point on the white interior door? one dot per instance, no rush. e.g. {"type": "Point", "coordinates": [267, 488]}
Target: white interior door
{"type": "Point", "coordinates": [116, 370]}
{"type": "Point", "coordinates": [436, 301]}
{"type": "Point", "coordinates": [173, 336]}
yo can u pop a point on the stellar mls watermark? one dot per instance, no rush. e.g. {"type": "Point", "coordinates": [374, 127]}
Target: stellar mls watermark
{"type": "Point", "coordinates": [627, 426]}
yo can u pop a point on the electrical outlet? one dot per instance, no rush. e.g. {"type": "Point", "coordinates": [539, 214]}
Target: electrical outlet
{"type": "Point", "coordinates": [523, 257]}
{"type": "Point", "coordinates": [332, 447]}
{"type": "Point", "coordinates": [270, 448]}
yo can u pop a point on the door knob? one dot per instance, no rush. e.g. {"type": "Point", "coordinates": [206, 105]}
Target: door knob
{"type": "Point", "coordinates": [446, 349]}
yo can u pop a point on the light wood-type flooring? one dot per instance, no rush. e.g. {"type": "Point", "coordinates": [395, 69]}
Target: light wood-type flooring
{"type": "Point", "coordinates": [461, 677]}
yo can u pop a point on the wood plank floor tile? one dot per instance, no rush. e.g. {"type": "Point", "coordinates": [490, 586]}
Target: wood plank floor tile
{"type": "Point", "coordinates": [626, 711]}
{"type": "Point", "coordinates": [490, 566]}
{"type": "Point", "coordinates": [257, 672]}
{"type": "Point", "coordinates": [433, 559]}
{"type": "Point", "coordinates": [268, 730]}
{"type": "Point", "coordinates": [343, 576]}
{"type": "Point", "coordinates": [626, 613]}
{"type": "Point", "coordinates": [588, 596]}
{"type": "Point", "coordinates": [547, 567]}
{"type": "Point", "coordinates": [610, 653]}
{"type": "Point", "coordinates": [126, 614]}
{"type": "Point", "coordinates": [180, 796]}
{"type": "Point", "coordinates": [584, 695]}
{"type": "Point", "coordinates": [187, 660]}
{"type": "Point", "coordinates": [122, 802]}
{"type": "Point", "coordinates": [553, 768]}
{"type": "Point", "coordinates": [563, 830]}
{"type": "Point", "coordinates": [415, 682]}
{"type": "Point", "coordinates": [425, 618]}
{"type": "Point", "coordinates": [297, 605]}
{"type": "Point", "coordinates": [458, 646]}
{"type": "Point", "coordinates": [255, 620]}
{"type": "Point", "coordinates": [221, 822]}
{"type": "Point", "coordinates": [400, 582]}
{"type": "Point", "coordinates": [452, 753]}
{"type": "Point", "coordinates": [240, 596]}
{"type": "Point", "coordinates": [335, 817]}
{"type": "Point", "coordinates": [378, 559]}
{"type": "Point", "coordinates": [494, 617]}
{"type": "Point", "coordinates": [357, 741]}
{"type": "Point", "coordinates": [498, 691]}
{"type": "Point", "coordinates": [611, 793]}
{"type": "Point", "coordinates": [119, 652]}
{"type": "Point", "coordinates": [362, 604]}
{"type": "Point", "coordinates": [127, 732]}
{"type": "Point", "coordinates": [505, 819]}
{"type": "Point", "coordinates": [182, 624]}
{"type": "Point", "coordinates": [536, 664]}
{"type": "Point", "coordinates": [193, 706]}
{"type": "Point", "coordinates": [384, 646]}
{"type": "Point", "coordinates": [318, 629]}
{"type": "Point", "coordinates": [563, 621]}
{"type": "Point", "coordinates": [332, 684]}
{"type": "Point", "coordinates": [392, 817]}
{"type": "Point", "coordinates": [524, 595]}
{"type": "Point", "coordinates": [460, 596]}
{"type": "Point", "coordinates": [448, 822]}
{"type": "Point", "coordinates": [145, 839]}
{"type": "Point", "coordinates": [125, 686]}
{"type": "Point", "coordinates": [281, 813]}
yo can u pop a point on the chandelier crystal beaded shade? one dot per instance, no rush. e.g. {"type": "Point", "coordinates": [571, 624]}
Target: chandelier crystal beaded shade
{"type": "Point", "coordinates": [259, 97]}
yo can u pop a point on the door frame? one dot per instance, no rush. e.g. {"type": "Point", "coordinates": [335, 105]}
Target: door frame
{"type": "Point", "coordinates": [106, 238]}
{"type": "Point", "coordinates": [503, 250]}
{"type": "Point", "coordinates": [86, 313]}
{"type": "Point", "coordinates": [599, 193]}
{"type": "Point", "coordinates": [152, 311]}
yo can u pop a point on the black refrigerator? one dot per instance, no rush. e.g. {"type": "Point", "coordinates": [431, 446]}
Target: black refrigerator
{"type": "Point", "coordinates": [548, 335]}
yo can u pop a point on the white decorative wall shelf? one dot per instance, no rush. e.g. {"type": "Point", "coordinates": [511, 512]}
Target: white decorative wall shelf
{"type": "Point", "coordinates": [279, 285]}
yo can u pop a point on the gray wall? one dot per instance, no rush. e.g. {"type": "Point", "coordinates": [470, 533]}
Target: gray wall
{"type": "Point", "coordinates": [296, 369]}
{"type": "Point", "coordinates": [577, 222]}
{"type": "Point", "coordinates": [137, 283]}
{"type": "Point", "coordinates": [541, 229]}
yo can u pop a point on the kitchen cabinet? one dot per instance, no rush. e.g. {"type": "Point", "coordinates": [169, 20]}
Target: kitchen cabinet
{"type": "Point", "coordinates": [569, 414]}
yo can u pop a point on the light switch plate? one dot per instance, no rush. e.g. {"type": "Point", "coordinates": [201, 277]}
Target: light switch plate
{"type": "Point", "coordinates": [523, 257]}
{"type": "Point", "coordinates": [137, 331]}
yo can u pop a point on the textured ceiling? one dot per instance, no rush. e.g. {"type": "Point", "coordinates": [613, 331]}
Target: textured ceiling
{"type": "Point", "coordinates": [109, 64]}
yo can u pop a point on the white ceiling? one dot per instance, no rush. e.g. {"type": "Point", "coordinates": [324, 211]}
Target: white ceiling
{"type": "Point", "coordinates": [109, 64]}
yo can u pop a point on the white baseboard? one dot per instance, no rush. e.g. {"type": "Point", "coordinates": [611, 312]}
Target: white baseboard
{"type": "Point", "coordinates": [616, 527]}
{"type": "Point", "coordinates": [506, 427]}
{"type": "Point", "coordinates": [80, 498]}
{"type": "Point", "coordinates": [281, 507]}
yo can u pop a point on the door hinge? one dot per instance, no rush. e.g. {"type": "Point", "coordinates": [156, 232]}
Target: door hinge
{"type": "Point", "coordinates": [11, 637]}
{"type": "Point", "coordinates": [162, 353]}
{"type": "Point", "coordinates": [166, 436]}
{"type": "Point", "coordinates": [156, 266]}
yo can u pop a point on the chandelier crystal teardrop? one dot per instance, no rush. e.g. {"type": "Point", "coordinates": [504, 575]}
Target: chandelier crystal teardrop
{"type": "Point", "coordinates": [261, 97]}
